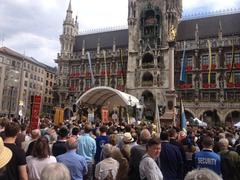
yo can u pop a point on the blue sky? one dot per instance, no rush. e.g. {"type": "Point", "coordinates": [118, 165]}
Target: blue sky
{"type": "Point", "coordinates": [34, 27]}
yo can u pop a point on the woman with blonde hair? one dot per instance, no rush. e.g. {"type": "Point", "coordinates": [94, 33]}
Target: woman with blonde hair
{"type": "Point", "coordinates": [55, 171]}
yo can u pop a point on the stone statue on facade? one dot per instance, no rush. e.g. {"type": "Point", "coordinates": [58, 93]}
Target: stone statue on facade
{"type": "Point", "coordinates": [172, 33]}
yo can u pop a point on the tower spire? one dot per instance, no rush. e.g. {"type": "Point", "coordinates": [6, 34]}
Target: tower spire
{"type": "Point", "coordinates": [70, 6]}
{"type": "Point", "coordinates": [69, 13]}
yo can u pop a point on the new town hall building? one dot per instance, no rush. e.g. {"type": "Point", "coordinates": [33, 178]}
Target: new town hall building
{"type": "Point", "coordinates": [145, 61]}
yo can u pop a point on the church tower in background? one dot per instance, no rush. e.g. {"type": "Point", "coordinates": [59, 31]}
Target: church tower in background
{"type": "Point", "coordinates": [152, 27]}
{"type": "Point", "coordinates": [67, 40]}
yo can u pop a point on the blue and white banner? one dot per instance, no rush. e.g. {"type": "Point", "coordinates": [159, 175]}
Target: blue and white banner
{"type": "Point", "coordinates": [90, 67]}
{"type": "Point", "coordinates": [183, 120]}
{"type": "Point", "coordinates": [183, 64]}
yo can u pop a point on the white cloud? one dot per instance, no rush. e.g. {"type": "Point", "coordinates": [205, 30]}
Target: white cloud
{"type": "Point", "coordinates": [35, 26]}
{"type": "Point", "coordinates": [190, 6]}
{"type": "Point", "coordinates": [41, 48]}
{"type": "Point", "coordinates": [94, 14]}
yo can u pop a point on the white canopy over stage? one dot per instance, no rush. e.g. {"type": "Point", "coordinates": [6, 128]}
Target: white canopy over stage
{"type": "Point", "coordinates": [107, 96]}
{"type": "Point", "coordinates": [237, 125]}
{"type": "Point", "coordinates": [199, 122]}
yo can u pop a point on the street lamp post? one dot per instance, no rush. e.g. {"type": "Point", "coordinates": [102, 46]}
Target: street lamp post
{"type": "Point", "coordinates": [128, 109]}
{"type": "Point", "coordinates": [13, 76]}
{"type": "Point", "coordinates": [10, 102]}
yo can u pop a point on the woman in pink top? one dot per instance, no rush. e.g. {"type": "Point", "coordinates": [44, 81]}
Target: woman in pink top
{"type": "Point", "coordinates": [39, 159]}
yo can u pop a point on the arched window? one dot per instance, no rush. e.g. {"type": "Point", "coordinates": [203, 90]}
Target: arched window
{"type": "Point", "coordinates": [147, 61]}
{"type": "Point", "coordinates": [147, 79]}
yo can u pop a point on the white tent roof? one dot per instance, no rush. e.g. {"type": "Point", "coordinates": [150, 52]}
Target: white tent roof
{"type": "Point", "coordinates": [103, 95]}
{"type": "Point", "coordinates": [237, 125]}
{"type": "Point", "coordinates": [200, 123]}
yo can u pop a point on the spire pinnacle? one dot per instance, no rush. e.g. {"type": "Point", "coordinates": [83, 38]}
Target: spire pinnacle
{"type": "Point", "coordinates": [70, 6]}
{"type": "Point", "coordinates": [69, 18]}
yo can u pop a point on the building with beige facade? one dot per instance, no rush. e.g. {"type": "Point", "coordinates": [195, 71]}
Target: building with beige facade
{"type": "Point", "coordinates": [21, 78]}
{"type": "Point", "coordinates": [145, 61]}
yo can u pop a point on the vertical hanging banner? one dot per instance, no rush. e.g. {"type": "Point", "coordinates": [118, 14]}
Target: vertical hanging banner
{"type": "Point", "coordinates": [105, 64]}
{"type": "Point", "coordinates": [35, 110]}
{"type": "Point", "coordinates": [104, 115]}
{"type": "Point", "coordinates": [210, 60]}
{"type": "Point", "coordinates": [231, 75]}
{"type": "Point", "coordinates": [90, 68]}
{"type": "Point", "coordinates": [183, 64]}
{"type": "Point", "coordinates": [58, 116]}
{"type": "Point", "coordinates": [183, 120]}
{"type": "Point", "coordinates": [121, 58]}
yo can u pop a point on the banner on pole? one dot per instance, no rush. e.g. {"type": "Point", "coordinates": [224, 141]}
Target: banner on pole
{"type": "Point", "coordinates": [35, 110]}
{"type": "Point", "coordinates": [58, 116]}
{"type": "Point", "coordinates": [104, 115]}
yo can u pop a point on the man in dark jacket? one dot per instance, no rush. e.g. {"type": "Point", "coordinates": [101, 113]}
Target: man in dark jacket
{"type": "Point", "coordinates": [60, 147]}
{"type": "Point", "coordinates": [170, 159]}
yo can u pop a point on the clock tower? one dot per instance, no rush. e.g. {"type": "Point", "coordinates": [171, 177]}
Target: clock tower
{"type": "Point", "coordinates": [152, 26]}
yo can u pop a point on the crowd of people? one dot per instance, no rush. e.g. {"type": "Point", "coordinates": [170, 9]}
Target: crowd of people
{"type": "Point", "coordinates": [116, 151]}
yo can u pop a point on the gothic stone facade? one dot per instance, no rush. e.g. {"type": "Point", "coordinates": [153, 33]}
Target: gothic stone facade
{"type": "Point", "coordinates": [143, 60]}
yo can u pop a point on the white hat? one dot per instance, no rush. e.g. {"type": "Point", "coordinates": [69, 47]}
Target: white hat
{"type": "Point", "coordinates": [127, 137]}
{"type": "Point", "coordinates": [5, 154]}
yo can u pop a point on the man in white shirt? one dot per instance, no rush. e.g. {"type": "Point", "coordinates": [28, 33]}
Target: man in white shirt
{"type": "Point", "coordinates": [148, 168]}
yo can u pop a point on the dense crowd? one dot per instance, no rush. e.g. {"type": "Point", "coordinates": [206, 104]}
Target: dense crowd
{"type": "Point", "coordinates": [116, 151]}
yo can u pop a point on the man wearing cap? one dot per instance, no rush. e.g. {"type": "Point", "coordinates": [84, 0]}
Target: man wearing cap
{"type": "Point", "coordinates": [6, 155]}
{"type": "Point", "coordinates": [75, 163]}
{"type": "Point", "coordinates": [60, 147]}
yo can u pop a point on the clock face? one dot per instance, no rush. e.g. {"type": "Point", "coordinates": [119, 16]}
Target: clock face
{"type": "Point", "coordinates": [150, 25]}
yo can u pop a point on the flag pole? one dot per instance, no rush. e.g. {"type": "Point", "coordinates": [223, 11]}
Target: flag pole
{"type": "Point", "coordinates": [157, 117]}
{"type": "Point", "coordinates": [183, 123]}
{"type": "Point", "coordinates": [231, 78]}
{"type": "Point", "coordinates": [105, 62]}
{"type": "Point", "coordinates": [210, 61]}
{"type": "Point", "coordinates": [90, 67]}
{"type": "Point", "coordinates": [183, 64]}
{"type": "Point", "coordinates": [121, 58]}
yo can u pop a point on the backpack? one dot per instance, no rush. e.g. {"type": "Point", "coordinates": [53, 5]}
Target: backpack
{"type": "Point", "coordinates": [229, 168]}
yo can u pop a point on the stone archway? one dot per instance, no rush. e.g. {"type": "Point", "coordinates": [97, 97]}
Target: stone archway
{"type": "Point", "coordinates": [147, 79]}
{"type": "Point", "coordinates": [147, 61]}
{"type": "Point", "coordinates": [232, 118]}
{"type": "Point", "coordinates": [211, 117]}
{"type": "Point", "coordinates": [149, 103]}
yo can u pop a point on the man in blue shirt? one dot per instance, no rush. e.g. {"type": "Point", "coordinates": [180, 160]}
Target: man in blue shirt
{"type": "Point", "coordinates": [206, 158]}
{"type": "Point", "coordinates": [100, 142]}
{"type": "Point", "coordinates": [75, 163]}
{"type": "Point", "coordinates": [87, 148]}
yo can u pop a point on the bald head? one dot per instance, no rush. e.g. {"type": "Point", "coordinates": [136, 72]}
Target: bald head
{"type": "Point", "coordinates": [36, 133]}
{"type": "Point", "coordinates": [71, 143]}
{"type": "Point", "coordinates": [223, 144]}
{"type": "Point", "coordinates": [145, 136]}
